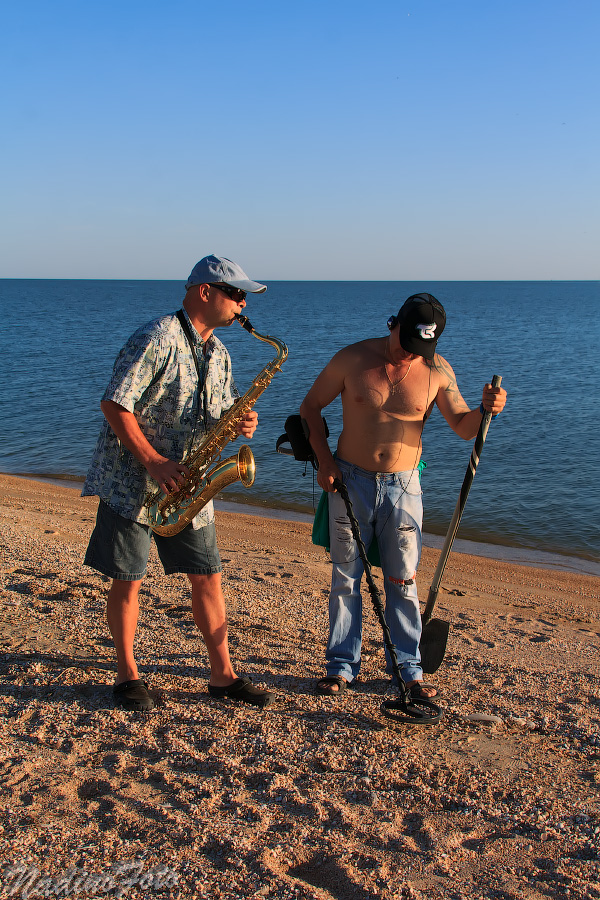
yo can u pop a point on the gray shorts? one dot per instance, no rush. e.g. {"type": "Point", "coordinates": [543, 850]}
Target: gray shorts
{"type": "Point", "coordinates": [119, 548]}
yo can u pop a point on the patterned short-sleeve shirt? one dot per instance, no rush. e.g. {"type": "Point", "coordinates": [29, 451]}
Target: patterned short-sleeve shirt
{"type": "Point", "coordinates": [155, 378]}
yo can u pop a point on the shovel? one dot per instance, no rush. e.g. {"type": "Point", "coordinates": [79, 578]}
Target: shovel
{"type": "Point", "coordinates": [435, 631]}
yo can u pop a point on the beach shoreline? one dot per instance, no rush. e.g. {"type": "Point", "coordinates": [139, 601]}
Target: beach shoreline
{"type": "Point", "coordinates": [506, 552]}
{"type": "Point", "coordinates": [313, 798]}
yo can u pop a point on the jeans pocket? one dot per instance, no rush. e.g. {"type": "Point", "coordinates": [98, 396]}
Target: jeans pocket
{"type": "Point", "coordinates": [411, 483]}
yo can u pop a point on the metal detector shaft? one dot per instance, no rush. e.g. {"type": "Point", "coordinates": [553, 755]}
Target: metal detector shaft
{"type": "Point", "coordinates": [460, 505]}
{"type": "Point", "coordinates": [373, 590]}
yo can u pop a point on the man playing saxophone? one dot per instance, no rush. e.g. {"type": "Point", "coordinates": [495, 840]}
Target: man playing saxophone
{"type": "Point", "coordinates": [171, 383]}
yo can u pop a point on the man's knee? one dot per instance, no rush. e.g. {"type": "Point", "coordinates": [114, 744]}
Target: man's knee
{"type": "Point", "coordinates": [122, 591]}
{"type": "Point", "coordinates": [204, 581]}
{"type": "Point", "coordinates": [205, 587]}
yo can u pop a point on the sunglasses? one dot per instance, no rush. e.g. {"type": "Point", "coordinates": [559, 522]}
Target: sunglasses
{"type": "Point", "coordinates": [233, 293]}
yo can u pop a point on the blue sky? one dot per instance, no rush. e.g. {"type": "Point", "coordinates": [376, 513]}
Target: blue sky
{"type": "Point", "coordinates": [415, 139]}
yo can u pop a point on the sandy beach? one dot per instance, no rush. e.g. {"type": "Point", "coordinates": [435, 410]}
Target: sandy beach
{"type": "Point", "coordinates": [313, 797]}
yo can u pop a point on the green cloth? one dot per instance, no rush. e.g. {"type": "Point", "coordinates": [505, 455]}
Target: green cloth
{"type": "Point", "coordinates": [320, 529]}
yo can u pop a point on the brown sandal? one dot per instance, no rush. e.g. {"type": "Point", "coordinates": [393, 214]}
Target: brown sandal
{"type": "Point", "coordinates": [325, 686]}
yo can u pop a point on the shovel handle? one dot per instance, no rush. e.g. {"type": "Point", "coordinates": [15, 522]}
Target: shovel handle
{"type": "Point", "coordinates": [458, 511]}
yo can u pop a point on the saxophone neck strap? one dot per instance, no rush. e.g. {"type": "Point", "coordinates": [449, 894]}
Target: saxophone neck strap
{"type": "Point", "coordinates": [188, 333]}
{"type": "Point", "coordinates": [201, 392]}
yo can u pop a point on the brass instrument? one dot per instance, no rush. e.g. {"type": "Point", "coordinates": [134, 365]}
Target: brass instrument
{"type": "Point", "coordinates": [170, 513]}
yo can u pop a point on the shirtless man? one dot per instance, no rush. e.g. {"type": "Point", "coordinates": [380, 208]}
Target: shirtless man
{"type": "Point", "coordinates": [388, 386]}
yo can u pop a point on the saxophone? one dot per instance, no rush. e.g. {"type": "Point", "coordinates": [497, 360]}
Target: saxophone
{"type": "Point", "coordinates": [208, 474]}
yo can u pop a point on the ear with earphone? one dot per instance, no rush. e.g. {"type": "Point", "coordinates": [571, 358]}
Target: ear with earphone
{"type": "Point", "coordinates": [392, 322]}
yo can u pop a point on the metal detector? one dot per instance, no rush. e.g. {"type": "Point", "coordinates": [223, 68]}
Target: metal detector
{"type": "Point", "coordinates": [407, 709]}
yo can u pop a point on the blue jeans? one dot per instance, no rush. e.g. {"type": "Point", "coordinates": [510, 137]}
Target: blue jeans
{"type": "Point", "coordinates": [388, 506]}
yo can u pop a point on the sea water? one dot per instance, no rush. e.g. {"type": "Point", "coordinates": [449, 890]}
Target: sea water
{"type": "Point", "coordinates": [537, 484]}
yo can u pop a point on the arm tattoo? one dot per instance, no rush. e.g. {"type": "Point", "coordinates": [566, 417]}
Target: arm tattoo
{"type": "Point", "coordinates": [451, 388]}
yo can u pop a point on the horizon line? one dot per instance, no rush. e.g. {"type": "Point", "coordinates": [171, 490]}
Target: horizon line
{"type": "Point", "coordinates": [265, 278]}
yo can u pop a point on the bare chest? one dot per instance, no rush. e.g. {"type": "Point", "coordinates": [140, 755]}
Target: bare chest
{"type": "Point", "coordinates": [378, 389]}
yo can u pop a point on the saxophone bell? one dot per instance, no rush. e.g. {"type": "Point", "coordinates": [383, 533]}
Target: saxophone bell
{"type": "Point", "coordinates": [170, 520]}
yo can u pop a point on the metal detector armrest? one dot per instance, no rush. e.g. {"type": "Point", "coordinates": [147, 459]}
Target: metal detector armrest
{"type": "Point", "coordinates": [297, 438]}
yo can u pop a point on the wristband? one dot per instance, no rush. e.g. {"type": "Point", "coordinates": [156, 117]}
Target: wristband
{"type": "Point", "coordinates": [483, 411]}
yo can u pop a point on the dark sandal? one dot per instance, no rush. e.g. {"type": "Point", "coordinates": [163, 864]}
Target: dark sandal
{"type": "Point", "coordinates": [242, 690]}
{"type": "Point", "coordinates": [325, 685]}
{"type": "Point", "coordinates": [417, 693]}
{"type": "Point", "coordinates": [133, 695]}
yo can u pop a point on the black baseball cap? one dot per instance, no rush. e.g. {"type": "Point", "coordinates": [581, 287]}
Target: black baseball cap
{"type": "Point", "coordinates": [422, 319]}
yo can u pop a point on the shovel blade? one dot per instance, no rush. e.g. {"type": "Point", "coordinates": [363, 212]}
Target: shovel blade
{"type": "Point", "coordinates": [433, 644]}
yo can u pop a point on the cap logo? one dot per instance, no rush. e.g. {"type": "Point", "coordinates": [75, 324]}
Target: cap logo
{"type": "Point", "coordinates": [427, 331]}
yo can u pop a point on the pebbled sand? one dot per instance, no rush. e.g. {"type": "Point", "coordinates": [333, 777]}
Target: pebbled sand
{"type": "Point", "coordinates": [314, 797]}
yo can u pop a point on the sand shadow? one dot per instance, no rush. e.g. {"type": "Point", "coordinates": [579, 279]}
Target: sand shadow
{"type": "Point", "coordinates": [326, 874]}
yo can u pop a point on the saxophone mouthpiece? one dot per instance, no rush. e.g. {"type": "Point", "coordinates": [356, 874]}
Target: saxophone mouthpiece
{"type": "Point", "coordinates": [244, 322]}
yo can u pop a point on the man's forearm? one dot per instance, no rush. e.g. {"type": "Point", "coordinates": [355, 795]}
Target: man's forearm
{"type": "Point", "coordinates": [168, 473]}
{"type": "Point", "coordinates": [468, 426]}
{"type": "Point", "coordinates": [126, 427]}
